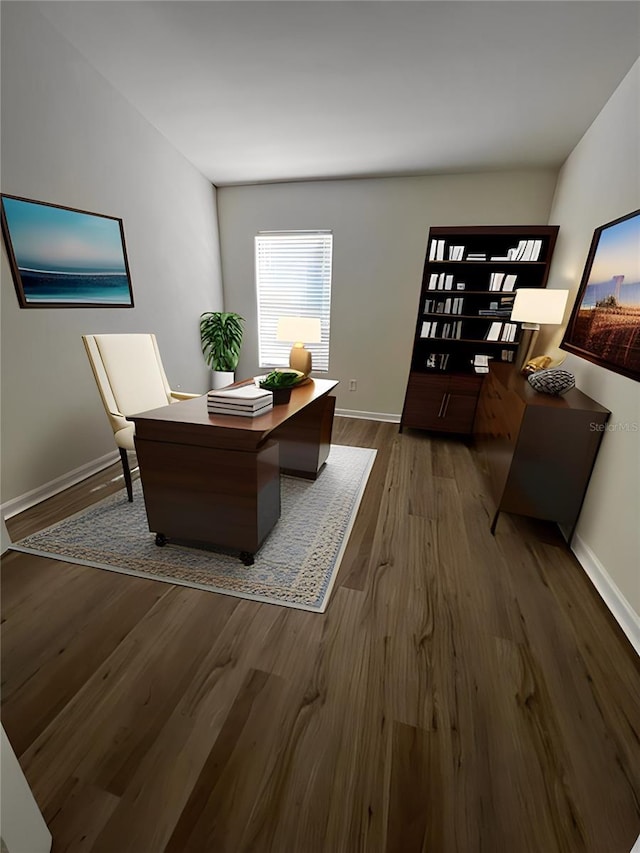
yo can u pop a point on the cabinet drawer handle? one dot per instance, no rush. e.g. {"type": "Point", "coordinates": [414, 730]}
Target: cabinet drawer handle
{"type": "Point", "coordinates": [446, 405]}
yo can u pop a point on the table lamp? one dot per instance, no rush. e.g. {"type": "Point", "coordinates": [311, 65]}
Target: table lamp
{"type": "Point", "coordinates": [534, 307]}
{"type": "Point", "coordinates": [300, 330]}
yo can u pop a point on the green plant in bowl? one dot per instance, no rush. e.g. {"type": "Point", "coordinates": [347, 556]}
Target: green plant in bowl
{"type": "Point", "coordinates": [278, 379]}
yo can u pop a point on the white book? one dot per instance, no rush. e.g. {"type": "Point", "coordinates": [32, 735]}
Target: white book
{"type": "Point", "coordinates": [448, 282]}
{"type": "Point", "coordinates": [535, 253]}
{"type": "Point", "coordinates": [432, 250]}
{"type": "Point", "coordinates": [240, 413]}
{"type": "Point", "coordinates": [496, 280]}
{"type": "Point", "coordinates": [447, 306]}
{"type": "Point", "coordinates": [509, 282]}
{"type": "Point", "coordinates": [441, 279]}
{"type": "Point", "coordinates": [528, 250]}
{"type": "Point", "coordinates": [522, 245]}
{"type": "Point", "coordinates": [244, 392]}
{"type": "Point", "coordinates": [433, 281]}
{"type": "Point", "coordinates": [494, 331]}
{"type": "Point", "coordinates": [440, 251]}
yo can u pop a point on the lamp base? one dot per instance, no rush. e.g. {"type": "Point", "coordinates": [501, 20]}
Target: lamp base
{"type": "Point", "coordinates": [300, 359]}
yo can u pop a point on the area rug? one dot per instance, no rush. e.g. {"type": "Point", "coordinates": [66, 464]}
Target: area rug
{"type": "Point", "coordinates": [296, 566]}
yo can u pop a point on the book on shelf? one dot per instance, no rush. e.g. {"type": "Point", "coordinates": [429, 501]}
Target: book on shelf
{"type": "Point", "coordinates": [495, 282]}
{"type": "Point", "coordinates": [448, 282]}
{"type": "Point", "coordinates": [507, 355]}
{"type": "Point", "coordinates": [502, 281]}
{"type": "Point", "coordinates": [456, 253]}
{"type": "Point", "coordinates": [436, 250]}
{"type": "Point", "coordinates": [526, 250]}
{"type": "Point", "coordinates": [429, 329]}
{"type": "Point", "coordinates": [494, 332]}
{"type": "Point", "coordinates": [509, 332]}
{"type": "Point", "coordinates": [481, 363]}
{"type": "Point", "coordinates": [476, 256]}
{"type": "Point", "coordinates": [437, 361]}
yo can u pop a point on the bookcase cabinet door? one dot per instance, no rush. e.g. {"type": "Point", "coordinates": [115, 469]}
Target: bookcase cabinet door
{"type": "Point", "coordinates": [425, 401]}
{"type": "Point", "coordinates": [441, 403]}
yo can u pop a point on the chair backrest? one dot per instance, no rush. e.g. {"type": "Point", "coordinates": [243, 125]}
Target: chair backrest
{"type": "Point", "coordinates": [129, 374]}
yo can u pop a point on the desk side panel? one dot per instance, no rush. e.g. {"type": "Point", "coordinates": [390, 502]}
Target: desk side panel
{"type": "Point", "coordinates": [221, 497]}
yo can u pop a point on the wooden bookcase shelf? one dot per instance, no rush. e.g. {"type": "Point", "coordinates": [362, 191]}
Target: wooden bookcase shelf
{"type": "Point", "coordinates": [460, 300]}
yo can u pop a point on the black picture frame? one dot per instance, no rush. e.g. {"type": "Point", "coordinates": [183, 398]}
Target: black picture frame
{"type": "Point", "coordinates": [604, 327]}
{"type": "Point", "coordinates": [64, 257]}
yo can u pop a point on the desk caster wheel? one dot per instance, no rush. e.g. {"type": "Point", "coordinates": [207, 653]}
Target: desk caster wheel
{"type": "Point", "coordinates": [161, 540]}
{"type": "Point", "coordinates": [246, 558]}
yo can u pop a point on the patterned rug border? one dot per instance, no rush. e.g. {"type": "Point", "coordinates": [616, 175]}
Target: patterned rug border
{"type": "Point", "coordinates": [331, 574]}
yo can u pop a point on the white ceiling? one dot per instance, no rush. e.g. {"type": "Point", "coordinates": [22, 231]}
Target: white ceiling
{"type": "Point", "coordinates": [274, 91]}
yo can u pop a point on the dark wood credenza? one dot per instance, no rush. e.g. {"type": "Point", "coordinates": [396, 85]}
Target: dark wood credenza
{"type": "Point", "coordinates": [539, 449]}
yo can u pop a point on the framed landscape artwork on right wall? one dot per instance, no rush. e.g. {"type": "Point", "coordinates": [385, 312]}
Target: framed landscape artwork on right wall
{"type": "Point", "coordinates": [605, 321]}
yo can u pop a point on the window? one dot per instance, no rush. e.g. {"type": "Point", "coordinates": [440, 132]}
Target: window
{"type": "Point", "coordinates": [293, 277]}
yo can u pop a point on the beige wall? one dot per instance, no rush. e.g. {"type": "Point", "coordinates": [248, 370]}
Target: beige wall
{"type": "Point", "coordinates": [69, 138]}
{"type": "Point", "coordinates": [600, 182]}
{"type": "Point", "coordinates": [380, 232]}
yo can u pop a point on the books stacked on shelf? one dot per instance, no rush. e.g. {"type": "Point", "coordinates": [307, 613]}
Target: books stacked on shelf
{"type": "Point", "coordinates": [502, 332]}
{"type": "Point", "coordinates": [436, 250]}
{"type": "Point", "coordinates": [481, 363]}
{"type": "Point", "coordinates": [451, 305]}
{"type": "Point", "coordinates": [247, 401]}
{"type": "Point", "coordinates": [440, 281]}
{"type": "Point", "coordinates": [507, 355]}
{"type": "Point", "coordinates": [526, 250]}
{"type": "Point", "coordinates": [477, 256]}
{"type": "Point", "coordinates": [502, 281]}
{"type": "Point", "coordinates": [503, 308]}
{"type": "Point", "coordinates": [456, 253]}
{"type": "Point", "coordinates": [437, 361]}
{"type": "Point", "coordinates": [449, 330]}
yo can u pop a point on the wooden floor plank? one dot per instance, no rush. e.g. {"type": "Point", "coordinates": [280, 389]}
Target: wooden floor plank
{"type": "Point", "coordinates": [463, 693]}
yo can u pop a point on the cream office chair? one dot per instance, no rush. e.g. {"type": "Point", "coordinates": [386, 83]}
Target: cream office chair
{"type": "Point", "coordinates": [130, 378]}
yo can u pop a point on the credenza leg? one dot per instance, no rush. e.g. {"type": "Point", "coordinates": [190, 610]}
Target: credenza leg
{"type": "Point", "coordinates": [161, 540]}
{"type": "Point", "coordinates": [247, 558]}
{"type": "Point", "coordinates": [494, 522]}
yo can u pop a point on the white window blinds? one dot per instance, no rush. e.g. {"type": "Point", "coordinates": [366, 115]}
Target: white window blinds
{"type": "Point", "coordinates": [293, 278]}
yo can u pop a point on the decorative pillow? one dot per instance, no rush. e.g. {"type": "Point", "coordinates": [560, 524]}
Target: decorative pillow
{"type": "Point", "coordinates": [552, 381]}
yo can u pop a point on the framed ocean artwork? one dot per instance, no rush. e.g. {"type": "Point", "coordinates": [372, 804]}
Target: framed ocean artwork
{"type": "Point", "coordinates": [604, 326]}
{"type": "Point", "coordinates": [61, 257]}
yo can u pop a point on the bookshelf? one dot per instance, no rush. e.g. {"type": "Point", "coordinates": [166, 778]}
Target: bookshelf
{"type": "Point", "coordinates": [463, 324]}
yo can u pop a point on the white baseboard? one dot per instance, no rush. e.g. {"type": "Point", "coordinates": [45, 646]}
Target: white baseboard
{"type": "Point", "coordinates": [369, 416]}
{"type": "Point", "coordinates": [622, 611]}
{"type": "Point", "coordinates": [48, 490]}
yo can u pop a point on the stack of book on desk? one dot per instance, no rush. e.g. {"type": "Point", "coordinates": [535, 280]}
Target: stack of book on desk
{"type": "Point", "coordinates": [246, 401]}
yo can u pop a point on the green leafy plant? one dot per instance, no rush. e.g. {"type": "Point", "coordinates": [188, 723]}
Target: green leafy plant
{"type": "Point", "coordinates": [221, 338]}
{"type": "Point", "coordinates": [281, 379]}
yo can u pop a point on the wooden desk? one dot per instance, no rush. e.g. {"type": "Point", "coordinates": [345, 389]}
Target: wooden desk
{"type": "Point", "coordinates": [215, 479]}
{"type": "Point", "coordinates": [539, 449]}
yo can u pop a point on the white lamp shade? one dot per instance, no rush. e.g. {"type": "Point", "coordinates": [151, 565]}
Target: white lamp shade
{"type": "Point", "coordinates": [534, 305]}
{"type": "Point", "coordinates": [304, 330]}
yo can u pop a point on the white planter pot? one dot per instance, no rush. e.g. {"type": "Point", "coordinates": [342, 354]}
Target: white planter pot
{"type": "Point", "coordinates": [221, 378]}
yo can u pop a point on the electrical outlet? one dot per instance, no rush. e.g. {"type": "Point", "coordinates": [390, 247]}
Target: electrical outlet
{"type": "Point", "coordinates": [353, 385]}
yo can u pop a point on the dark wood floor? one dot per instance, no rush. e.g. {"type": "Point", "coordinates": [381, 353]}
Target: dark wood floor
{"type": "Point", "coordinates": [461, 693]}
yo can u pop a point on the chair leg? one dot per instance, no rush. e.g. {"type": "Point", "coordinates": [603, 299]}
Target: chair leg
{"type": "Point", "coordinates": [127, 473]}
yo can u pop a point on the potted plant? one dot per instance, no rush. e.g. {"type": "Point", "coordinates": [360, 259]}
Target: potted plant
{"type": "Point", "coordinates": [280, 383]}
{"type": "Point", "coordinates": [221, 338]}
